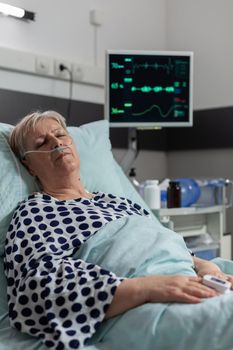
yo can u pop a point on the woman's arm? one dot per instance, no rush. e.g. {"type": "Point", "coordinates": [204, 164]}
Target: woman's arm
{"type": "Point", "coordinates": [165, 288]}
{"type": "Point", "coordinates": [157, 289]}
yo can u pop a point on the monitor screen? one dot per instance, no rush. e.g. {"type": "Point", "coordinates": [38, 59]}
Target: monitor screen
{"type": "Point", "coordinates": [149, 89]}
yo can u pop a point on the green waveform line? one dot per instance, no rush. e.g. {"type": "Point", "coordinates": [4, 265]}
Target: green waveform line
{"type": "Point", "coordinates": [155, 89]}
{"type": "Point", "coordinates": [168, 67]}
{"type": "Point", "coordinates": [164, 115]}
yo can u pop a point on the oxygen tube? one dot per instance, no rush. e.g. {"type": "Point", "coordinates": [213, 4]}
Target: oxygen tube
{"type": "Point", "coordinates": [56, 149]}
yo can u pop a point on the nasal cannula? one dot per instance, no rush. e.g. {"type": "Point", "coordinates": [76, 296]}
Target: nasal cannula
{"type": "Point", "coordinates": [56, 149]}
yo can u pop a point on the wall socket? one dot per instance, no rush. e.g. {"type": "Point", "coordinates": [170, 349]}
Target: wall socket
{"type": "Point", "coordinates": [77, 72]}
{"type": "Point", "coordinates": [43, 65]}
{"type": "Point", "coordinates": [62, 74]}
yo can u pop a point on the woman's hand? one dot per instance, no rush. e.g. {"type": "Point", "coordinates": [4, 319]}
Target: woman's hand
{"type": "Point", "coordinates": [170, 288]}
{"type": "Point", "coordinates": [205, 267]}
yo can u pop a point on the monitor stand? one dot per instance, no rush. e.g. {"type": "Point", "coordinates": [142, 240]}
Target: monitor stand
{"type": "Point", "coordinates": [132, 151]}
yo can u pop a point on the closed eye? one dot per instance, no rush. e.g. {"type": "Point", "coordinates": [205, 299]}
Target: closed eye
{"type": "Point", "coordinates": [40, 144]}
{"type": "Point", "coordinates": [62, 136]}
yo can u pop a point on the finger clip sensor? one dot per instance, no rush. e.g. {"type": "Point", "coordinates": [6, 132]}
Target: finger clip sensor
{"type": "Point", "coordinates": [220, 285]}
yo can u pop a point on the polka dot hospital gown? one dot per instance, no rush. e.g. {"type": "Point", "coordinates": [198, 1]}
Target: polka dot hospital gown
{"type": "Point", "coordinates": [51, 295]}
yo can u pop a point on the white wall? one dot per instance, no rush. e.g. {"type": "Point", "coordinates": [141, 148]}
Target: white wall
{"type": "Point", "coordinates": [148, 164]}
{"type": "Point", "coordinates": [201, 163]}
{"type": "Point", "coordinates": [62, 28]}
{"type": "Point", "coordinates": [205, 27]}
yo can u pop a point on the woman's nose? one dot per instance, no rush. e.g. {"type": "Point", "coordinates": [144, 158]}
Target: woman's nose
{"type": "Point", "coordinates": [55, 142]}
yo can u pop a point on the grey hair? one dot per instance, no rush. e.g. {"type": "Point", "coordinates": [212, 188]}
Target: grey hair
{"type": "Point", "coordinates": [18, 136]}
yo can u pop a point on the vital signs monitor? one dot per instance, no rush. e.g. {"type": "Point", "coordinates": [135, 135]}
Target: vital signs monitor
{"type": "Point", "coordinates": [149, 89]}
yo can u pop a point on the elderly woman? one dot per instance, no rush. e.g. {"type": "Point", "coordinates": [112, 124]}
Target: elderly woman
{"type": "Point", "coordinates": [51, 295]}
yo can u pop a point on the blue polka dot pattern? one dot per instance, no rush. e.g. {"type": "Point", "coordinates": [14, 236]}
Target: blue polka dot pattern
{"type": "Point", "coordinates": [61, 300]}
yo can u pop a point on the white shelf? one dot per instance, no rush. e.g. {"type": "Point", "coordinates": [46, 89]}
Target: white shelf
{"type": "Point", "coordinates": [197, 221]}
{"type": "Point", "coordinates": [191, 210]}
{"type": "Point", "coordinates": [194, 231]}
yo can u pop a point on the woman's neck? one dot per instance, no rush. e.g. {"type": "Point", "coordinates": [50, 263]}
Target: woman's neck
{"type": "Point", "coordinates": [67, 190]}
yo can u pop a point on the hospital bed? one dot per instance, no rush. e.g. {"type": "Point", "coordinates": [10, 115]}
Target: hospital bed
{"type": "Point", "coordinates": [208, 325]}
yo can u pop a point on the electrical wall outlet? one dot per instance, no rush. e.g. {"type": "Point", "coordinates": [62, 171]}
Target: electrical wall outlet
{"type": "Point", "coordinates": [43, 65]}
{"type": "Point", "coordinates": [62, 73]}
{"type": "Point", "coordinates": [77, 72]}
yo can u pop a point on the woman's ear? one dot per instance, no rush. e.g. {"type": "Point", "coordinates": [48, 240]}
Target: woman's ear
{"type": "Point", "coordinates": [25, 163]}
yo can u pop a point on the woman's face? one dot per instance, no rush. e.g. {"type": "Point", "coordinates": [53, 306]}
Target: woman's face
{"type": "Point", "coordinates": [48, 135]}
